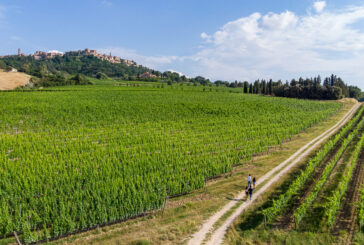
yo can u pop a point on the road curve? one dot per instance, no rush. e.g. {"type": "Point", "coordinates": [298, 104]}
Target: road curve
{"type": "Point", "coordinates": [218, 235]}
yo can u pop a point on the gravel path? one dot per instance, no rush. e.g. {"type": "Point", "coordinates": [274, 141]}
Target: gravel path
{"type": "Point", "coordinates": [218, 235]}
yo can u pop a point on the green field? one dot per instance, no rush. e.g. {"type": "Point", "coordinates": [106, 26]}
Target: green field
{"type": "Point", "coordinates": [77, 157]}
{"type": "Point", "coordinates": [320, 204]}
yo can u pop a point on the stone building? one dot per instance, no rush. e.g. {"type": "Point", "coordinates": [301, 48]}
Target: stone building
{"type": "Point", "coordinates": [147, 75]}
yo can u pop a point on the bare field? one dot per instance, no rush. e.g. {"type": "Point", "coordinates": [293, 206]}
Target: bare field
{"type": "Point", "coordinates": [11, 80]}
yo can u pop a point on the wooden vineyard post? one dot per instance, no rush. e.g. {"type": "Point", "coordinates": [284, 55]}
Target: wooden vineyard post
{"type": "Point", "coordinates": [165, 200]}
{"type": "Point", "coordinates": [265, 220]}
{"type": "Point", "coordinates": [17, 238]}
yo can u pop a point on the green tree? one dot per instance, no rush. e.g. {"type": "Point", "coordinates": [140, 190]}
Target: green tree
{"type": "Point", "coordinates": [101, 75]}
{"type": "Point", "coordinates": [251, 88]}
{"type": "Point", "coordinates": [246, 87]}
{"type": "Point", "coordinates": [2, 64]}
{"type": "Point", "coordinates": [354, 92]}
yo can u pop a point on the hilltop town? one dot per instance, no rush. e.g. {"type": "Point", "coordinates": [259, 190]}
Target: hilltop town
{"type": "Point", "coordinates": [41, 55]}
{"type": "Point", "coordinates": [23, 63]}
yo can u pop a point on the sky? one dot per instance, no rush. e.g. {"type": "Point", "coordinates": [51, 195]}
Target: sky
{"type": "Point", "coordinates": [218, 39]}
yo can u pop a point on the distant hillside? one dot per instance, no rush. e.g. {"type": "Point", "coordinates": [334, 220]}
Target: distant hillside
{"type": "Point", "coordinates": [73, 63]}
{"type": "Point", "coordinates": [11, 80]}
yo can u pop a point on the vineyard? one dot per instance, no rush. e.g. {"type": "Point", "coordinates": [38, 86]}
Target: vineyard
{"type": "Point", "coordinates": [325, 197]}
{"type": "Point", "coordinates": [76, 158]}
{"type": "Point", "coordinates": [361, 211]}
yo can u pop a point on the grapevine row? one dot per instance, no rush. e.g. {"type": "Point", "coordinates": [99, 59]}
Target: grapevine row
{"type": "Point", "coordinates": [301, 211]}
{"type": "Point", "coordinates": [60, 171]}
{"type": "Point", "coordinates": [361, 211]}
{"type": "Point", "coordinates": [281, 203]}
{"type": "Point", "coordinates": [335, 199]}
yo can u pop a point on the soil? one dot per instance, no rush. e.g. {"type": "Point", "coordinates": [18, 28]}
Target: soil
{"type": "Point", "coordinates": [11, 80]}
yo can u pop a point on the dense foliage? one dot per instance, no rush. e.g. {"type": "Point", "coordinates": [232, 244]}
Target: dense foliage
{"type": "Point", "coordinates": [361, 211]}
{"type": "Point", "coordinates": [72, 64]}
{"type": "Point", "coordinates": [60, 80]}
{"type": "Point", "coordinates": [75, 158]}
{"type": "Point", "coordinates": [332, 88]}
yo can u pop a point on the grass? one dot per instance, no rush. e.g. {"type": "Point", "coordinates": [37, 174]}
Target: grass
{"type": "Point", "coordinates": [359, 238]}
{"type": "Point", "coordinates": [185, 214]}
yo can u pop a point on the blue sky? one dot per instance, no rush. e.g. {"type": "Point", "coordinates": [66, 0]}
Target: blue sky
{"type": "Point", "coordinates": [219, 39]}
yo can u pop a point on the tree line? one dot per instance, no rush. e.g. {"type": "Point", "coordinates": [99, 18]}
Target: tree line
{"type": "Point", "coordinates": [73, 68]}
{"type": "Point", "coordinates": [331, 88]}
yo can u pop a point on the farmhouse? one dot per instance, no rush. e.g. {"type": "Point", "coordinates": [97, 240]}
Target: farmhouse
{"type": "Point", "coordinates": [147, 75]}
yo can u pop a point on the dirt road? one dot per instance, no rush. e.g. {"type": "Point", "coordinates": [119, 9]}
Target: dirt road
{"type": "Point", "coordinates": [218, 235]}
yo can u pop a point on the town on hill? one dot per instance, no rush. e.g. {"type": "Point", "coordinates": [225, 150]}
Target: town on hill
{"type": "Point", "coordinates": [41, 55]}
{"type": "Point", "coordinates": [54, 68]}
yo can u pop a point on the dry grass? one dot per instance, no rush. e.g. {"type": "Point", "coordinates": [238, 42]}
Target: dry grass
{"type": "Point", "coordinates": [349, 100]}
{"type": "Point", "coordinates": [11, 80]}
{"type": "Point", "coordinates": [184, 215]}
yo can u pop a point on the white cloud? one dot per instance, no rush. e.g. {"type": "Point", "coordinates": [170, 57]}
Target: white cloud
{"type": "Point", "coordinates": [282, 45]}
{"type": "Point", "coordinates": [206, 37]}
{"type": "Point", "coordinates": [285, 45]}
{"type": "Point", "coordinates": [179, 73]}
{"type": "Point", "coordinates": [319, 6]}
{"type": "Point", "coordinates": [275, 45]}
{"type": "Point", "coordinates": [55, 51]}
{"type": "Point", "coordinates": [280, 21]}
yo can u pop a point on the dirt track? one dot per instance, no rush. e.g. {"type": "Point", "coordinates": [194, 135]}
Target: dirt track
{"type": "Point", "coordinates": [218, 235]}
{"type": "Point", "coordinates": [11, 80]}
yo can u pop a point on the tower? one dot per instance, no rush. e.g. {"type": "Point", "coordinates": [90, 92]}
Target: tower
{"type": "Point", "coordinates": [19, 52]}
